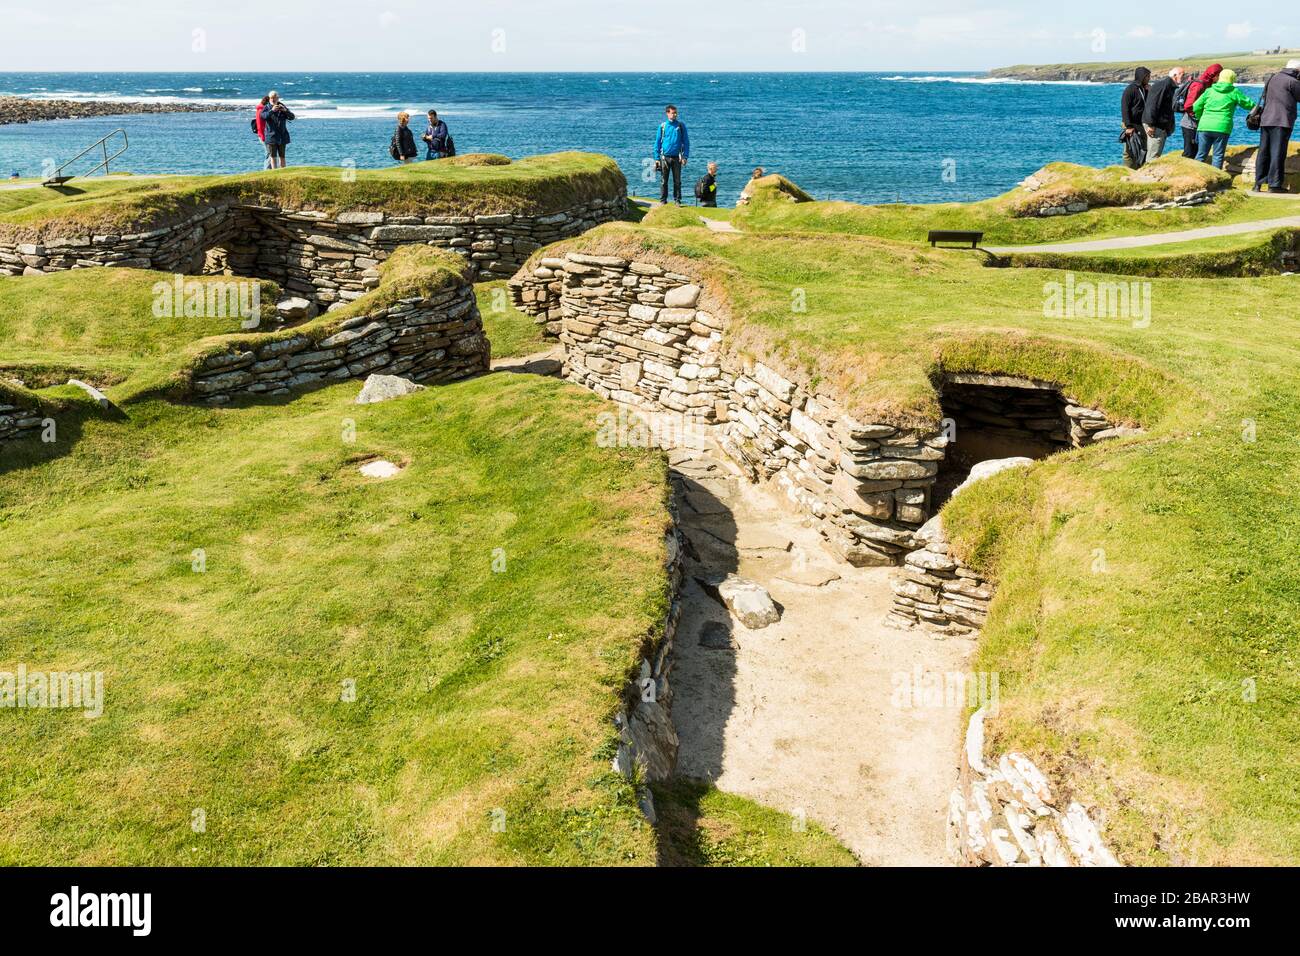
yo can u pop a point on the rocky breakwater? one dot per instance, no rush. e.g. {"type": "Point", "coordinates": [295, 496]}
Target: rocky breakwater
{"type": "Point", "coordinates": [647, 334]}
{"type": "Point", "coordinates": [20, 109]}
{"type": "Point", "coordinates": [433, 338]}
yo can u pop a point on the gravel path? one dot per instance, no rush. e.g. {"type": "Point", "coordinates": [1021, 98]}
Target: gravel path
{"type": "Point", "coordinates": [1154, 239]}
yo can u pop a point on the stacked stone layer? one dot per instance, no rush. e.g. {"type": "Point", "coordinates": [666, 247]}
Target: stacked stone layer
{"type": "Point", "coordinates": [437, 338]}
{"type": "Point", "coordinates": [17, 422]}
{"type": "Point", "coordinates": [328, 258]}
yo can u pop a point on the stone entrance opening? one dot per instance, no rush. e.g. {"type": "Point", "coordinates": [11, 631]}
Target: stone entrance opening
{"type": "Point", "coordinates": [992, 416]}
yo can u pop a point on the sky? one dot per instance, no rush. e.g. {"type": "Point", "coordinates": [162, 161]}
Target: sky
{"type": "Point", "coordinates": [619, 35]}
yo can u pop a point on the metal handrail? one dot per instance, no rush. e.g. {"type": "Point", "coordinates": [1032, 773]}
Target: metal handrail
{"type": "Point", "coordinates": [59, 179]}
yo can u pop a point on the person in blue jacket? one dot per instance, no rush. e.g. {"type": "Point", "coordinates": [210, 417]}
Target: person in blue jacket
{"type": "Point", "coordinates": [275, 120]}
{"type": "Point", "coordinates": [672, 147]}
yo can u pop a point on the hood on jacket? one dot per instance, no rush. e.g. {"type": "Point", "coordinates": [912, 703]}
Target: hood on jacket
{"type": "Point", "coordinates": [1211, 74]}
{"type": "Point", "coordinates": [1141, 75]}
{"type": "Point", "coordinates": [1226, 79]}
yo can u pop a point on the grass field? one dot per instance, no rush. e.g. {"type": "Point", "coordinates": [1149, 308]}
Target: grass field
{"type": "Point", "coordinates": [1129, 682]}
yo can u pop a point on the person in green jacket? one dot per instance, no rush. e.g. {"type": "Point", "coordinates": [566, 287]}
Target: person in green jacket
{"type": "Point", "coordinates": [1213, 110]}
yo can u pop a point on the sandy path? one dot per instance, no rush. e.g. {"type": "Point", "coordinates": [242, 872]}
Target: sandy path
{"type": "Point", "coordinates": [799, 715]}
{"type": "Point", "coordinates": [1155, 239]}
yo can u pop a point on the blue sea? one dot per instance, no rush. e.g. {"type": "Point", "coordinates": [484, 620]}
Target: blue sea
{"type": "Point", "coordinates": [867, 137]}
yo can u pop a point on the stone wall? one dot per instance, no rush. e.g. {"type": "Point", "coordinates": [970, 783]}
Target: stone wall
{"type": "Point", "coordinates": [934, 590]}
{"type": "Point", "coordinates": [437, 338]}
{"type": "Point", "coordinates": [647, 748]}
{"type": "Point", "coordinates": [639, 333]}
{"type": "Point", "coordinates": [18, 423]}
{"type": "Point", "coordinates": [329, 258]}
{"type": "Point", "coordinates": [1005, 814]}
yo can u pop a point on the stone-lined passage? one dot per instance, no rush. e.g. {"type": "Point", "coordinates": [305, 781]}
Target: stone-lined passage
{"type": "Point", "coordinates": [640, 333]}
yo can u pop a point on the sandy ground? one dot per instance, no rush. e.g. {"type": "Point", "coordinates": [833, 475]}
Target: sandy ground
{"type": "Point", "coordinates": [800, 715]}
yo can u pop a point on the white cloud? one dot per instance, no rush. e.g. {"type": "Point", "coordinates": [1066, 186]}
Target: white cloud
{"type": "Point", "coordinates": [387, 19]}
{"type": "Point", "coordinates": [1140, 33]}
{"type": "Point", "coordinates": [1239, 31]}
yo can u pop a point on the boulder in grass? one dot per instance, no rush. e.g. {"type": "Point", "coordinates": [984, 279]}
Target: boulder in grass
{"type": "Point", "coordinates": [380, 388]}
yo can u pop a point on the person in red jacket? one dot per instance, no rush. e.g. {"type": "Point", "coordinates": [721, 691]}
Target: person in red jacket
{"type": "Point", "coordinates": [259, 126]}
{"type": "Point", "coordinates": [1194, 91]}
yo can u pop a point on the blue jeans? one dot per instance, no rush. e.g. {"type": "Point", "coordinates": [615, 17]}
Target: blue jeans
{"type": "Point", "coordinates": [1204, 141]}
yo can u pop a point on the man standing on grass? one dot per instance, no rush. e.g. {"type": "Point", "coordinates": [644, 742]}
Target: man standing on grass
{"type": "Point", "coordinates": [1281, 91]}
{"type": "Point", "coordinates": [672, 147]}
{"type": "Point", "coordinates": [1158, 115]}
{"type": "Point", "coordinates": [1132, 104]}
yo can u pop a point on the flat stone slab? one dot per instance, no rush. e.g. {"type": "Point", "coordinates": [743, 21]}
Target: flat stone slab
{"type": "Point", "coordinates": [749, 603]}
{"type": "Point", "coordinates": [380, 468]}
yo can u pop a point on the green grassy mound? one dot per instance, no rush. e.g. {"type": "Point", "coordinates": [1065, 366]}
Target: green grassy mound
{"type": "Point", "coordinates": [101, 326]}
{"type": "Point", "coordinates": [1125, 675]}
{"type": "Point", "coordinates": [475, 689]}
{"type": "Point", "coordinates": [774, 188]}
{"type": "Point", "coordinates": [1246, 254]}
{"type": "Point", "coordinates": [468, 185]}
{"type": "Point", "coordinates": [1002, 219]}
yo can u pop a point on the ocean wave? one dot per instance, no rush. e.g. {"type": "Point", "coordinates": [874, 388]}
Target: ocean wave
{"type": "Point", "coordinates": [989, 81]}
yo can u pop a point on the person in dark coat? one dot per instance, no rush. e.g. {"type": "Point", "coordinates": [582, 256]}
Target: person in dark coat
{"type": "Point", "coordinates": [435, 137]}
{"type": "Point", "coordinates": [1158, 115]}
{"type": "Point", "coordinates": [1281, 93]}
{"type": "Point", "coordinates": [275, 124]}
{"type": "Point", "coordinates": [402, 148]}
{"type": "Point", "coordinates": [1132, 104]}
{"type": "Point", "coordinates": [1194, 91]}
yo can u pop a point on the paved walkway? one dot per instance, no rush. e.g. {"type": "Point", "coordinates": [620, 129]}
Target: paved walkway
{"type": "Point", "coordinates": [1155, 239]}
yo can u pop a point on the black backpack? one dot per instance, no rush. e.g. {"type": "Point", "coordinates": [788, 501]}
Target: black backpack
{"type": "Point", "coordinates": [253, 125]}
{"type": "Point", "coordinates": [701, 188]}
{"type": "Point", "coordinates": [1256, 116]}
{"type": "Point", "coordinates": [451, 146]}
{"type": "Point", "coordinates": [394, 150]}
{"type": "Point", "coordinates": [1180, 95]}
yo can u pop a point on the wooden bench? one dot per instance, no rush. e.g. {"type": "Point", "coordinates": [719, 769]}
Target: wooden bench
{"type": "Point", "coordinates": [937, 236]}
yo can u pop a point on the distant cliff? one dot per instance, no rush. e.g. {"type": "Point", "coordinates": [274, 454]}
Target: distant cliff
{"type": "Point", "coordinates": [1250, 68]}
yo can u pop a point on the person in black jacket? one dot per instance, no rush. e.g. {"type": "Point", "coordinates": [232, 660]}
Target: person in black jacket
{"type": "Point", "coordinates": [402, 148]}
{"type": "Point", "coordinates": [706, 190]}
{"type": "Point", "coordinates": [1281, 92]}
{"type": "Point", "coordinates": [1132, 104]}
{"type": "Point", "coordinates": [1158, 116]}
{"type": "Point", "coordinates": [275, 125]}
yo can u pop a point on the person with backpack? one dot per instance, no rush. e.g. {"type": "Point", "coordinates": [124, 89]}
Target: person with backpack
{"type": "Point", "coordinates": [1189, 97]}
{"type": "Point", "coordinates": [402, 146]}
{"type": "Point", "coordinates": [672, 147]}
{"type": "Point", "coordinates": [1214, 109]}
{"type": "Point", "coordinates": [275, 123]}
{"type": "Point", "coordinates": [1132, 104]}
{"type": "Point", "coordinates": [259, 128]}
{"type": "Point", "coordinates": [436, 138]}
{"type": "Point", "coordinates": [706, 189]}
{"type": "Point", "coordinates": [1276, 121]}
{"type": "Point", "coordinates": [1158, 114]}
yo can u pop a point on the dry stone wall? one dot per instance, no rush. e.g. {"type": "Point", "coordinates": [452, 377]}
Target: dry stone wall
{"type": "Point", "coordinates": [437, 338]}
{"type": "Point", "coordinates": [18, 423]}
{"type": "Point", "coordinates": [329, 258]}
{"type": "Point", "coordinates": [648, 744]}
{"type": "Point", "coordinates": [638, 332]}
